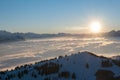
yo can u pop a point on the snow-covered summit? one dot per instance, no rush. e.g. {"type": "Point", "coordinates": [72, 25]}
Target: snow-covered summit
{"type": "Point", "coordinates": [80, 66]}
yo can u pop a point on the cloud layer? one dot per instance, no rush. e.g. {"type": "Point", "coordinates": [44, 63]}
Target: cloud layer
{"type": "Point", "coordinates": [12, 54]}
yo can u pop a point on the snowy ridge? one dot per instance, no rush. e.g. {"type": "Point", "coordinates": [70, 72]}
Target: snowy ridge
{"type": "Point", "coordinates": [80, 66]}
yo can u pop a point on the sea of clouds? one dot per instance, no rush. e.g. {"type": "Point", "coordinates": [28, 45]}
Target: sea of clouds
{"type": "Point", "coordinates": [16, 53]}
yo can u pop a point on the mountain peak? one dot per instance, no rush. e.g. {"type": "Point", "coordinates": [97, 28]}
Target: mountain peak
{"type": "Point", "coordinates": [86, 53]}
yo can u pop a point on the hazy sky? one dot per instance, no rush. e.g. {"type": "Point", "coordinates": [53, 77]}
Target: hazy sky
{"type": "Point", "coordinates": [53, 16]}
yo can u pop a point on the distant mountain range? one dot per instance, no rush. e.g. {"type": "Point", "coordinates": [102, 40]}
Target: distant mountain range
{"type": "Point", "coordinates": [79, 66]}
{"type": "Point", "coordinates": [113, 33]}
{"type": "Point", "coordinates": [8, 36]}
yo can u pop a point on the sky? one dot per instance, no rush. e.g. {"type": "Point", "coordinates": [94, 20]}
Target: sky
{"type": "Point", "coordinates": [54, 16]}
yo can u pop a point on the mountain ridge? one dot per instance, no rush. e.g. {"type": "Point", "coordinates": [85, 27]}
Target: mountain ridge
{"type": "Point", "coordinates": [79, 66]}
{"type": "Point", "coordinates": [6, 36]}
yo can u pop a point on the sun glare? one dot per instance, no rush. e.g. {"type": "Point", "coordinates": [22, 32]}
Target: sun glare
{"type": "Point", "coordinates": [95, 27]}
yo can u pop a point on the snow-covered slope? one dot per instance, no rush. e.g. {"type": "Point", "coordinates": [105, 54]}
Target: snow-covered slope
{"type": "Point", "coordinates": [80, 66]}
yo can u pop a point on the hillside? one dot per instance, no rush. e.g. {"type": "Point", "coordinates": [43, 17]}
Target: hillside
{"type": "Point", "coordinates": [80, 66]}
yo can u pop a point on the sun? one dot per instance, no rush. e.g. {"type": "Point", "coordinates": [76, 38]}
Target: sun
{"type": "Point", "coordinates": [95, 27]}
